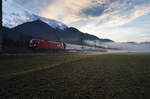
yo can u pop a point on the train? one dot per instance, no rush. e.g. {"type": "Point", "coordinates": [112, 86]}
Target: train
{"type": "Point", "coordinates": [46, 44]}
{"type": "Point", "coordinates": [40, 44]}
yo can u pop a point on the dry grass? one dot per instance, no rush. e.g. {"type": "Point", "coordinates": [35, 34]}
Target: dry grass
{"type": "Point", "coordinates": [79, 77]}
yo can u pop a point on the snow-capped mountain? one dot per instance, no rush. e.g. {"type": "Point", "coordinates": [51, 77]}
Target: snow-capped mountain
{"type": "Point", "coordinates": [14, 14]}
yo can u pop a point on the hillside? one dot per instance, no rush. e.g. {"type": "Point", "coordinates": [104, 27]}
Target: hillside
{"type": "Point", "coordinates": [37, 29]}
{"type": "Point", "coordinates": [24, 22]}
{"type": "Point", "coordinates": [40, 29]}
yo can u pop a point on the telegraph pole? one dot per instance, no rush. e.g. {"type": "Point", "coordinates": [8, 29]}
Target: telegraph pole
{"type": "Point", "coordinates": [95, 44]}
{"type": "Point", "coordinates": [0, 26]}
{"type": "Point", "coordinates": [82, 40]}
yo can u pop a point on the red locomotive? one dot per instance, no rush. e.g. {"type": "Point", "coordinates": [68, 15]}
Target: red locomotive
{"type": "Point", "coordinates": [38, 43]}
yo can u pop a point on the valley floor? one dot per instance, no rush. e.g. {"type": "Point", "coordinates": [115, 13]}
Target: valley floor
{"type": "Point", "coordinates": [74, 76]}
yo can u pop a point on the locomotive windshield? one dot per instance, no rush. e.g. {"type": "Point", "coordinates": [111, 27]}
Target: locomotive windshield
{"type": "Point", "coordinates": [34, 42]}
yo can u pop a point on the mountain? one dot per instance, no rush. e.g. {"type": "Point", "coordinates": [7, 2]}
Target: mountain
{"type": "Point", "coordinates": [131, 42]}
{"type": "Point", "coordinates": [12, 38]}
{"type": "Point", "coordinates": [145, 42]}
{"type": "Point", "coordinates": [10, 34]}
{"type": "Point", "coordinates": [71, 35]}
{"type": "Point", "coordinates": [106, 40]}
{"type": "Point", "coordinates": [25, 25]}
{"type": "Point", "coordinates": [13, 17]}
{"type": "Point", "coordinates": [136, 43]}
{"type": "Point", "coordinates": [40, 29]}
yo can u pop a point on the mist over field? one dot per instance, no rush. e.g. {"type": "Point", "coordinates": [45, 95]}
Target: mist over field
{"type": "Point", "coordinates": [113, 46]}
{"type": "Point", "coordinates": [128, 47]}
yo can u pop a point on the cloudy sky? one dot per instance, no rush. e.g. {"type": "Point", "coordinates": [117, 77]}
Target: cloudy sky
{"type": "Point", "coordinates": [119, 20]}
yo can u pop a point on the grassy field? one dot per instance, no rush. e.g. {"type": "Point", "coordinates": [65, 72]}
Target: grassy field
{"type": "Point", "coordinates": [13, 64]}
{"type": "Point", "coordinates": [75, 76]}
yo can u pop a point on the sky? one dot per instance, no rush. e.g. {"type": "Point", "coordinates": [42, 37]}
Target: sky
{"type": "Point", "coordinates": [119, 20]}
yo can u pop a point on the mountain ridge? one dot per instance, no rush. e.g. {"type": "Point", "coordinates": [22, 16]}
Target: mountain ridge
{"type": "Point", "coordinates": [13, 17]}
{"type": "Point", "coordinates": [40, 29]}
{"type": "Point", "coordinates": [35, 26]}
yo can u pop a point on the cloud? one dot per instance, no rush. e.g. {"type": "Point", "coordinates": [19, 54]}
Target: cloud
{"type": "Point", "coordinates": [102, 12]}
{"type": "Point", "coordinates": [114, 13]}
{"type": "Point", "coordinates": [137, 30]}
{"type": "Point", "coordinates": [65, 10]}
{"type": "Point", "coordinates": [92, 16]}
{"type": "Point", "coordinates": [6, 0]}
{"type": "Point", "coordinates": [33, 5]}
{"type": "Point", "coordinates": [94, 11]}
